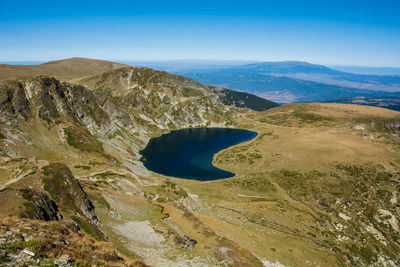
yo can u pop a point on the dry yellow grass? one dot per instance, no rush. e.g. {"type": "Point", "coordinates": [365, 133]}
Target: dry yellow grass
{"type": "Point", "coordinates": [5, 175]}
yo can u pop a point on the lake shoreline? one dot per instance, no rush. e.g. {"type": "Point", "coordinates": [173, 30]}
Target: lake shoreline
{"type": "Point", "coordinates": [189, 153]}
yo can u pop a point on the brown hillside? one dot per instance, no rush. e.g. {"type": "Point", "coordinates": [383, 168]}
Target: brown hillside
{"type": "Point", "coordinates": [67, 69]}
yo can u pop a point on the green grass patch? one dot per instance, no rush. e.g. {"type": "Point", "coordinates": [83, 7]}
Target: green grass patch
{"type": "Point", "coordinates": [255, 182]}
{"type": "Point", "coordinates": [107, 174]}
{"type": "Point", "coordinates": [82, 140]}
{"type": "Point", "coordinates": [16, 160]}
{"type": "Point", "coordinates": [161, 200]}
{"type": "Point", "coordinates": [115, 134]}
{"type": "Point", "coordinates": [103, 202]}
{"type": "Point", "coordinates": [29, 210]}
{"type": "Point", "coordinates": [181, 193]}
{"type": "Point", "coordinates": [94, 163]}
{"type": "Point", "coordinates": [190, 92]}
{"type": "Point", "coordinates": [89, 229]}
{"type": "Point", "coordinates": [84, 167]}
{"type": "Point", "coordinates": [34, 245]}
{"type": "Point", "coordinates": [309, 117]}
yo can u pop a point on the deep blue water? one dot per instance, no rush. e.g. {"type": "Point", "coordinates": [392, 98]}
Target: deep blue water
{"type": "Point", "coordinates": [188, 153]}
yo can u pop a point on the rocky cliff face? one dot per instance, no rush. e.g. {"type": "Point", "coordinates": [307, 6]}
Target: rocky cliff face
{"type": "Point", "coordinates": [41, 206]}
{"type": "Point", "coordinates": [129, 103]}
{"type": "Point", "coordinates": [13, 100]}
{"type": "Point", "coordinates": [67, 191]}
{"type": "Point", "coordinates": [161, 99]}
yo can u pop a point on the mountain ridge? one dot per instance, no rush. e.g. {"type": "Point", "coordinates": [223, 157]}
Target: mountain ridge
{"type": "Point", "coordinates": [66, 69]}
{"type": "Point", "coordinates": [81, 70]}
{"type": "Point", "coordinates": [289, 66]}
{"type": "Point", "coordinates": [281, 88]}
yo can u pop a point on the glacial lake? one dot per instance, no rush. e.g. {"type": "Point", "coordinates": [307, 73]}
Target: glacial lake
{"type": "Point", "coordinates": [188, 153]}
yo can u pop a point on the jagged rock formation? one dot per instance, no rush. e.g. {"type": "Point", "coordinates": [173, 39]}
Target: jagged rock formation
{"type": "Point", "coordinates": [67, 191]}
{"type": "Point", "coordinates": [13, 100]}
{"type": "Point", "coordinates": [164, 100]}
{"type": "Point", "coordinates": [130, 103]}
{"type": "Point", "coordinates": [393, 126]}
{"type": "Point", "coordinates": [42, 208]}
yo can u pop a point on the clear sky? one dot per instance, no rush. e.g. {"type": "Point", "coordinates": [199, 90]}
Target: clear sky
{"type": "Point", "coordinates": [351, 32]}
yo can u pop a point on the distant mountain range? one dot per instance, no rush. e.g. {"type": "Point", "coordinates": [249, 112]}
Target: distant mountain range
{"type": "Point", "coordinates": [367, 70]}
{"type": "Point", "coordinates": [293, 81]}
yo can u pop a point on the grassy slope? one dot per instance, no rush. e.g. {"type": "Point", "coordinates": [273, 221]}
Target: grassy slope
{"type": "Point", "coordinates": [307, 165]}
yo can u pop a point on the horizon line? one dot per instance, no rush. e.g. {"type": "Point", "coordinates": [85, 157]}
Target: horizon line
{"type": "Point", "coordinates": [38, 62]}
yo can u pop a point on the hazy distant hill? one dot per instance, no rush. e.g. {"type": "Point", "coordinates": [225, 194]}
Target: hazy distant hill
{"type": "Point", "coordinates": [66, 69]}
{"type": "Point", "coordinates": [184, 65]}
{"type": "Point", "coordinates": [322, 74]}
{"type": "Point", "coordinates": [282, 89]}
{"type": "Point", "coordinates": [293, 81]}
{"type": "Point", "coordinates": [368, 70]}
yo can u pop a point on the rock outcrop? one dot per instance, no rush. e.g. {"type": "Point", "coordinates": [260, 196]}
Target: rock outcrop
{"type": "Point", "coordinates": [13, 100]}
{"type": "Point", "coordinates": [25, 242]}
{"type": "Point", "coordinates": [42, 207]}
{"type": "Point", "coordinates": [129, 103]}
{"type": "Point", "coordinates": [67, 191]}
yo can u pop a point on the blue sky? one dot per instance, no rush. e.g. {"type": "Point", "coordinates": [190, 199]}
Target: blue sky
{"type": "Point", "coordinates": [365, 33]}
